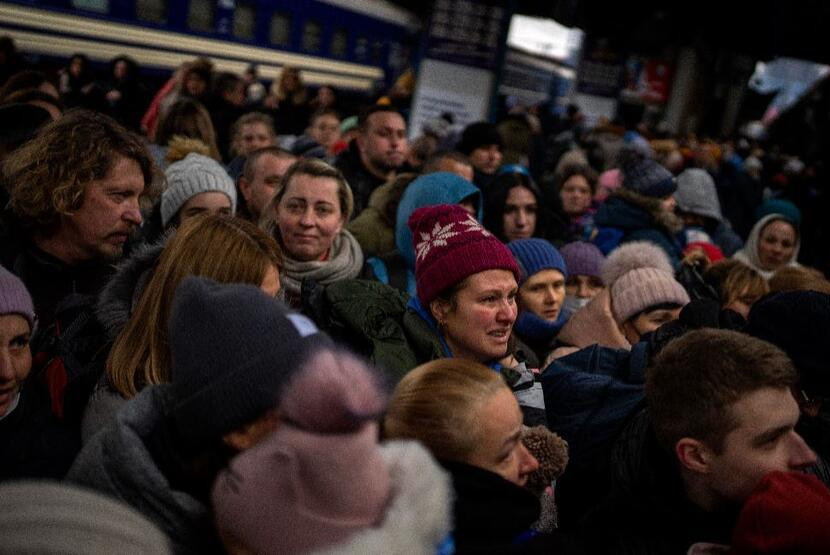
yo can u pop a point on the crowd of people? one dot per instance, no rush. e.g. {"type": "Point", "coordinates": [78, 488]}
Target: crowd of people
{"type": "Point", "coordinates": [236, 319]}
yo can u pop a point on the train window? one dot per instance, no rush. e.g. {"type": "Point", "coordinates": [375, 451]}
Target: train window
{"type": "Point", "coordinates": [312, 36]}
{"type": "Point", "coordinates": [154, 11]}
{"type": "Point", "coordinates": [200, 15]}
{"type": "Point", "coordinates": [377, 52]}
{"type": "Point", "coordinates": [244, 20]}
{"type": "Point", "coordinates": [339, 42]}
{"type": "Point", "coordinates": [361, 49]}
{"type": "Point", "coordinates": [280, 33]}
{"type": "Point", "coordinates": [100, 6]}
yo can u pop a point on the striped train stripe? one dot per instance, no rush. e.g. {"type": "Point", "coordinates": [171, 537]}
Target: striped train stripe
{"type": "Point", "coordinates": [44, 32]}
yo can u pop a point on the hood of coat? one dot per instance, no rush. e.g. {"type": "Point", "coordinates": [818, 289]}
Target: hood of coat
{"type": "Point", "coordinates": [120, 295]}
{"type": "Point", "coordinates": [385, 199]}
{"type": "Point", "coordinates": [117, 462]}
{"type": "Point", "coordinates": [630, 211]}
{"type": "Point", "coordinates": [418, 518]}
{"type": "Point", "coordinates": [425, 193]}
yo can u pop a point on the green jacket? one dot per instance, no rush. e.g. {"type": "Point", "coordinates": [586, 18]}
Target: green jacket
{"type": "Point", "coordinates": [373, 319]}
{"type": "Point", "coordinates": [373, 228]}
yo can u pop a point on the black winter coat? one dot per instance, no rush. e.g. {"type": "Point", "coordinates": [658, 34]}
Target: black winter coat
{"type": "Point", "coordinates": [647, 511]}
{"type": "Point", "coordinates": [492, 515]}
{"type": "Point", "coordinates": [361, 180]}
{"type": "Point", "coordinates": [33, 443]}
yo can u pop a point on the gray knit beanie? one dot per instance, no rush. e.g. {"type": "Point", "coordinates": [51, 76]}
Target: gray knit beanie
{"type": "Point", "coordinates": [52, 518]}
{"type": "Point", "coordinates": [233, 350]}
{"type": "Point", "coordinates": [193, 175]}
{"type": "Point", "coordinates": [696, 194]}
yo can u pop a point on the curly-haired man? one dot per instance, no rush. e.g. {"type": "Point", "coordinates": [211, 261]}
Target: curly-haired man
{"type": "Point", "coordinates": [74, 202]}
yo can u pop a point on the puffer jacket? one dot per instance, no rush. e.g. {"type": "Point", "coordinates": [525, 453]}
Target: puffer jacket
{"type": "Point", "coordinates": [589, 397]}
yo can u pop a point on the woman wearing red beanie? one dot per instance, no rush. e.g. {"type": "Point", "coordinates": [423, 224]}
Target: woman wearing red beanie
{"type": "Point", "coordinates": [467, 282]}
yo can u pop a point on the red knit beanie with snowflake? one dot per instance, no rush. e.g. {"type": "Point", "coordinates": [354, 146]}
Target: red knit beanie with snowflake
{"type": "Point", "coordinates": [451, 245]}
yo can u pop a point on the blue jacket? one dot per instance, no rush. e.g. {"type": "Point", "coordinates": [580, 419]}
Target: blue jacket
{"type": "Point", "coordinates": [589, 395]}
{"type": "Point", "coordinates": [637, 225]}
{"type": "Point", "coordinates": [726, 239]}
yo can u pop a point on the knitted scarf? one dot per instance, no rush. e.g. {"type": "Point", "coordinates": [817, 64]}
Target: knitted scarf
{"type": "Point", "coordinates": [536, 331]}
{"type": "Point", "coordinates": [345, 262]}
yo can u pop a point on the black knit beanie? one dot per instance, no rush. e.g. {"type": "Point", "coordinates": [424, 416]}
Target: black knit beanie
{"type": "Point", "coordinates": [233, 350]}
{"type": "Point", "coordinates": [477, 135]}
{"type": "Point", "coordinates": [798, 323]}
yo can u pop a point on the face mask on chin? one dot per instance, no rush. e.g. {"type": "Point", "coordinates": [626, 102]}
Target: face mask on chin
{"type": "Point", "coordinates": [572, 304]}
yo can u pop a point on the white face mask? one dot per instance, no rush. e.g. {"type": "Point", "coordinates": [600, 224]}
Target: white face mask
{"type": "Point", "coordinates": [572, 304]}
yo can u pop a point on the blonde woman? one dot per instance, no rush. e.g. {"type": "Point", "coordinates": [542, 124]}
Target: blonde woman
{"type": "Point", "coordinates": [737, 285]}
{"type": "Point", "coordinates": [468, 418]}
{"type": "Point", "coordinates": [135, 306]}
{"type": "Point", "coordinates": [307, 216]}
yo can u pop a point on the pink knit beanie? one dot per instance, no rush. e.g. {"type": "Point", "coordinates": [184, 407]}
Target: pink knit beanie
{"type": "Point", "coordinates": [640, 276]}
{"type": "Point", "coordinates": [451, 245]}
{"type": "Point", "coordinates": [320, 477]}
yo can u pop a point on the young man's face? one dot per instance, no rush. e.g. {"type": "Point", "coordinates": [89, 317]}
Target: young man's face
{"type": "Point", "coordinates": [325, 130]}
{"type": "Point", "coordinates": [763, 441]}
{"type": "Point", "coordinates": [383, 144]}
{"type": "Point", "coordinates": [268, 171]}
{"type": "Point", "coordinates": [254, 135]}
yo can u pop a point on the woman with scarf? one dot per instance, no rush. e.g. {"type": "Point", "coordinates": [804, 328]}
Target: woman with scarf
{"type": "Point", "coordinates": [541, 296]}
{"type": "Point", "coordinates": [641, 209]}
{"type": "Point", "coordinates": [307, 217]}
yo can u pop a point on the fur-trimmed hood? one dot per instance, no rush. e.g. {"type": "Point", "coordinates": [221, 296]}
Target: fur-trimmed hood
{"type": "Point", "coordinates": [668, 221]}
{"type": "Point", "coordinates": [418, 519]}
{"type": "Point", "coordinates": [119, 296]}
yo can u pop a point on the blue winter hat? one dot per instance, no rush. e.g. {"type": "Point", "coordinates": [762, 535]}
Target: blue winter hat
{"type": "Point", "coordinates": [782, 207]}
{"type": "Point", "coordinates": [535, 255]}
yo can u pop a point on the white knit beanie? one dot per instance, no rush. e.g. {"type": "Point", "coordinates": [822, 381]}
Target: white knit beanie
{"type": "Point", "coordinates": [50, 518]}
{"type": "Point", "coordinates": [191, 176]}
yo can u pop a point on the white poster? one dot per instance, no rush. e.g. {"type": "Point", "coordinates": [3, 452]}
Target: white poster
{"type": "Point", "coordinates": [443, 87]}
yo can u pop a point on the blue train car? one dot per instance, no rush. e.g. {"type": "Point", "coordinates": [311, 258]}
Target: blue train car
{"type": "Point", "coordinates": [353, 45]}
